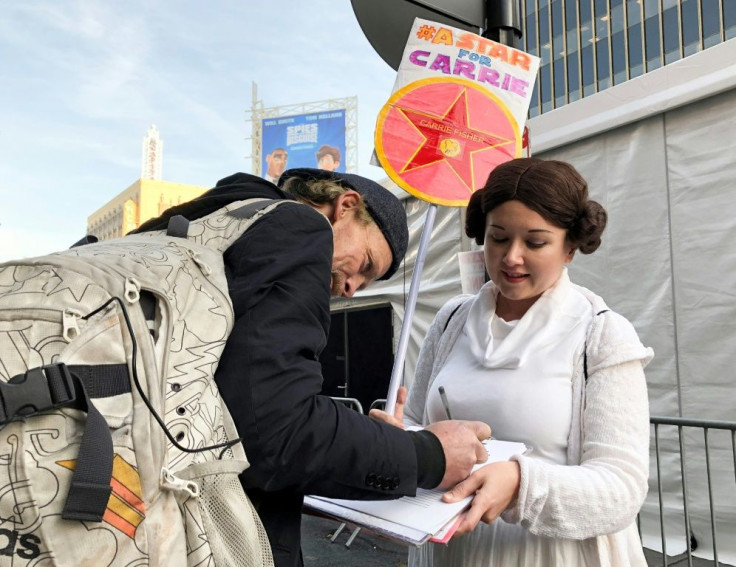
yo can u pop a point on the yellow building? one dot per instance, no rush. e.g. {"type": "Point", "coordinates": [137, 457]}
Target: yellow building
{"type": "Point", "coordinates": [145, 199]}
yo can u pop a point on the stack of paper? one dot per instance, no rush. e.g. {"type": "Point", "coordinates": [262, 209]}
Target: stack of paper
{"type": "Point", "coordinates": [413, 520]}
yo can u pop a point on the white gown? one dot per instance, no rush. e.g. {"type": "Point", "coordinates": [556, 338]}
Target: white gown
{"type": "Point", "coordinates": [528, 400]}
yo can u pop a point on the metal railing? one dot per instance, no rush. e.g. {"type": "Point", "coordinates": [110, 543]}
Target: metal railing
{"type": "Point", "coordinates": [706, 426]}
{"type": "Point", "coordinates": [353, 403]}
{"type": "Point", "coordinates": [380, 403]}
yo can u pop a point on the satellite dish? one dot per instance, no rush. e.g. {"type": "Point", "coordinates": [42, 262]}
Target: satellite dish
{"type": "Point", "coordinates": [387, 23]}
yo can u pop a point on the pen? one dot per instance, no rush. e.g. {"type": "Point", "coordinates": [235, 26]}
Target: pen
{"type": "Point", "coordinates": [445, 403]}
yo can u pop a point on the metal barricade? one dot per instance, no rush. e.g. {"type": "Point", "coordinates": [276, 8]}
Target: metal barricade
{"type": "Point", "coordinates": [350, 402]}
{"type": "Point", "coordinates": [706, 426]}
{"type": "Point", "coordinates": [380, 403]}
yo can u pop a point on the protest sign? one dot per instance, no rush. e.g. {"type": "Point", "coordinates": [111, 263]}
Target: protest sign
{"type": "Point", "coordinates": [457, 110]}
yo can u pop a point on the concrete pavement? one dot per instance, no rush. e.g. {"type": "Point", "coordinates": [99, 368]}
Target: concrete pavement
{"type": "Point", "coordinates": [366, 550]}
{"type": "Point", "coordinates": [372, 550]}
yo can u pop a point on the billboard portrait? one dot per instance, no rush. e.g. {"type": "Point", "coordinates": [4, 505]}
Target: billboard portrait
{"type": "Point", "coordinates": [316, 140]}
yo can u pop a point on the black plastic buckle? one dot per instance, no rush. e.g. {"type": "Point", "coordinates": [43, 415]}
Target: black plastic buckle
{"type": "Point", "coordinates": [40, 389]}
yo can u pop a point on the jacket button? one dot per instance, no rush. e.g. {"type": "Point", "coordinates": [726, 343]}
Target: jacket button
{"type": "Point", "coordinates": [395, 483]}
{"type": "Point", "coordinates": [370, 479]}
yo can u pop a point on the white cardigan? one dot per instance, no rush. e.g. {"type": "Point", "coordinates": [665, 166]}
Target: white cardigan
{"type": "Point", "coordinates": [597, 496]}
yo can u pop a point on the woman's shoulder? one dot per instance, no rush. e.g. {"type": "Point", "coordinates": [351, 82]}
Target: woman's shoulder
{"type": "Point", "coordinates": [450, 309]}
{"type": "Point", "coordinates": [612, 338]}
{"type": "Point", "coordinates": [453, 304]}
{"type": "Point", "coordinates": [445, 316]}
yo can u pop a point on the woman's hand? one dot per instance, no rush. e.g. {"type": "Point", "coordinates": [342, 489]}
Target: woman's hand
{"type": "Point", "coordinates": [495, 487]}
{"type": "Point", "coordinates": [397, 420]}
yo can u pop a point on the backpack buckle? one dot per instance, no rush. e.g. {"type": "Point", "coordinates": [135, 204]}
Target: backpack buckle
{"type": "Point", "coordinates": [39, 389]}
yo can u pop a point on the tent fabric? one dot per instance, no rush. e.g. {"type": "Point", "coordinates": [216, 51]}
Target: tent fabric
{"type": "Point", "coordinates": [666, 263]}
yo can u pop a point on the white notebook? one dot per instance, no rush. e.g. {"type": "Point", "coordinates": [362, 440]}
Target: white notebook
{"type": "Point", "coordinates": [412, 520]}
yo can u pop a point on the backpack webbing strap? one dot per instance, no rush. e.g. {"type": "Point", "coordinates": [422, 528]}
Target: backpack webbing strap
{"type": "Point", "coordinates": [247, 211]}
{"type": "Point", "coordinates": [57, 385]}
{"type": "Point", "coordinates": [178, 226]}
{"type": "Point", "coordinates": [90, 487]}
{"type": "Point", "coordinates": [103, 380]}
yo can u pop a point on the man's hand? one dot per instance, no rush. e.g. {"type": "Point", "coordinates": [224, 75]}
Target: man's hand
{"type": "Point", "coordinates": [397, 420]}
{"type": "Point", "coordinates": [461, 442]}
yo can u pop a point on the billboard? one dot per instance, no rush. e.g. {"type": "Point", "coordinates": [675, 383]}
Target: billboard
{"type": "Point", "coordinates": [316, 139]}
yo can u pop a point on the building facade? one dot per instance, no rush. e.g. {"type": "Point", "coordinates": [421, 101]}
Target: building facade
{"type": "Point", "coordinates": [143, 200]}
{"type": "Point", "coordinates": [587, 46]}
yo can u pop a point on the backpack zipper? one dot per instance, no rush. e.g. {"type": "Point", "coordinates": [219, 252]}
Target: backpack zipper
{"type": "Point", "coordinates": [70, 324]}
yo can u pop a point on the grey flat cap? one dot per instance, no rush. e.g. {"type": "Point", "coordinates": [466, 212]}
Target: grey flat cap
{"type": "Point", "coordinates": [385, 208]}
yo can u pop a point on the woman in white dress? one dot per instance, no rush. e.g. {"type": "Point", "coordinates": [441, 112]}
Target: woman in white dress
{"type": "Point", "coordinates": [545, 362]}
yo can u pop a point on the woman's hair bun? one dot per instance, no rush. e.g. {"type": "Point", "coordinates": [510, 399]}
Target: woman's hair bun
{"type": "Point", "coordinates": [587, 231]}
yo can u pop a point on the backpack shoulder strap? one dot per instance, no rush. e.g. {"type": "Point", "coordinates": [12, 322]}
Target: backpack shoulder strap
{"type": "Point", "coordinates": [220, 228]}
{"type": "Point", "coordinates": [179, 225]}
{"type": "Point", "coordinates": [250, 209]}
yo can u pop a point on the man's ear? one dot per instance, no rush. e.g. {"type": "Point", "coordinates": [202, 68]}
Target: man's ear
{"type": "Point", "coordinates": [346, 204]}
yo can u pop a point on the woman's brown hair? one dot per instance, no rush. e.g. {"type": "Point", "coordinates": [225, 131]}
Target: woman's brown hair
{"type": "Point", "coordinates": [554, 189]}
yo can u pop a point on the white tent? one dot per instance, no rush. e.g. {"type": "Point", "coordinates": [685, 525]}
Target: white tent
{"type": "Point", "coordinates": [659, 152]}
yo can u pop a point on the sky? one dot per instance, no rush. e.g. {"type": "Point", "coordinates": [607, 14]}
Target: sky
{"type": "Point", "coordinates": [83, 80]}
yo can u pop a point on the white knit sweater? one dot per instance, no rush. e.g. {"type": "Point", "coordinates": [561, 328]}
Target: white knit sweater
{"type": "Point", "coordinates": [597, 495]}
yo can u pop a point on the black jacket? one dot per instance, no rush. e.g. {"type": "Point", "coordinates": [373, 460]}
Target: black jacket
{"type": "Point", "coordinates": [297, 441]}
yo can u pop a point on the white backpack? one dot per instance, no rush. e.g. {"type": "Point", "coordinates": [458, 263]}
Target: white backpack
{"type": "Point", "coordinates": [115, 446]}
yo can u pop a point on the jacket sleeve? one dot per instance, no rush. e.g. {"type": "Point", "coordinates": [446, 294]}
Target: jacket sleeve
{"type": "Point", "coordinates": [603, 494]}
{"type": "Point", "coordinates": [270, 376]}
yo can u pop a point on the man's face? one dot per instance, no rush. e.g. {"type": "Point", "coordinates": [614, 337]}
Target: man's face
{"type": "Point", "coordinates": [328, 162]}
{"type": "Point", "coordinates": [361, 255]}
{"type": "Point", "coordinates": [276, 161]}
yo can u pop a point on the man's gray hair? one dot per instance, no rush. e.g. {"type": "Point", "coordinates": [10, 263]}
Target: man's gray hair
{"type": "Point", "coordinates": [317, 192]}
{"type": "Point", "coordinates": [384, 208]}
